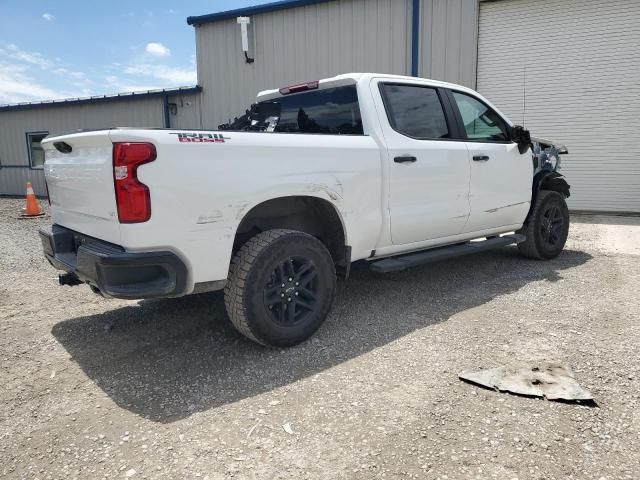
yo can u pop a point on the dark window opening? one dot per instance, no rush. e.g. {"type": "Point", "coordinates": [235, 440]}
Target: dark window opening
{"type": "Point", "coordinates": [415, 111]}
{"type": "Point", "coordinates": [328, 111]}
{"type": "Point", "coordinates": [36, 153]}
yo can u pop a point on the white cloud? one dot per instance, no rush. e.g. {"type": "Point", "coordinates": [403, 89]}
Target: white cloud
{"type": "Point", "coordinates": [168, 75]}
{"type": "Point", "coordinates": [157, 49]}
{"type": "Point", "coordinates": [15, 53]}
{"type": "Point", "coordinates": [30, 76]}
{"type": "Point", "coordinates": [19, 67]}
{"type": "Point", "coordinates": [69, 73]}
{"type": "Point", "coordinates": [115, 84]}
{"type": "Point", "coordinates": [16, 86]}
{"type": "Point", "coordinates": [48, 17]}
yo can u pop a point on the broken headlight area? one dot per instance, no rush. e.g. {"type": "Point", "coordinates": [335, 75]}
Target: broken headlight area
{"type": "Point", "coordinates": [546, 155]}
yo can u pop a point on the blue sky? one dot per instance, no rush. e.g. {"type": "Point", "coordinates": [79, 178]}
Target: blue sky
{"type": "Point", "coordinates": [53, 49]}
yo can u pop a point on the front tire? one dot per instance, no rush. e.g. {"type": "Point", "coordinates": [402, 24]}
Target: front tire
{"type": "Point", "coordinates": [547, 227]}
{"type": "Point", "coordinates": [280, 287]}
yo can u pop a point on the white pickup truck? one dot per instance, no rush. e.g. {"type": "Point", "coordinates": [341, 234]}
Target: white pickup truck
{"type": "Point", "coordinates": [394, 170]}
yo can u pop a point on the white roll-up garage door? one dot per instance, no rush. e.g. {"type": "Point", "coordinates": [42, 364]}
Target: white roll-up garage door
{"type": "Point", "coordinates": [570, 69]}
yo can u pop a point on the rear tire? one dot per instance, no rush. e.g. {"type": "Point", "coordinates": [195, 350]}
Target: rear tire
{"type": "Point", "coordinates": [547, 227]}
{"type": "Point", "coordinates": [280, 287]}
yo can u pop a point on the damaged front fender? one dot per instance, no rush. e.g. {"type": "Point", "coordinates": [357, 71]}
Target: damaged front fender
{"type": "Point", "coordinates": [546, 154]}
{"type": "Point", "coordinates": [546, 163]}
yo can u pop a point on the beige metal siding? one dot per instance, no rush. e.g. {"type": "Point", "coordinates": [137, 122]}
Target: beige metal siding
{"type": "Point", "coordinates": [13, 181]}
{"type": "Point", "coordinates": [15, 124]}
{"type": "Point", "coordinates": [299, 44]}
{"type": "Point", "coordinates": [185, 111]}
{"type": "Point", "coordinates": [582, 68]}
{"type": "Point", "coordinates": [448, 40]}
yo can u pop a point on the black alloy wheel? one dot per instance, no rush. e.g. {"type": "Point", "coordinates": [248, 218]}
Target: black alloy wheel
{"type": "Point", "coordinates": [291, 293]}
{"type": "Point", "coordinates": [280, 288]}
{"type": "Point", "coordinates": [546, 228]}
{"type": "Point", "coordinates": [551, 226]}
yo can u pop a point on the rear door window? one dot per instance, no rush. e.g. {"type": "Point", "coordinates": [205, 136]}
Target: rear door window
{"type": "Point", "coordinates": [327, 111]}
{"type": "Point", "coordinates": [415, 111]}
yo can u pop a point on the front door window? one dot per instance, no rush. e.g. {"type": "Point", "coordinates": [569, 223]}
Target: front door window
{"type": "Point", "coordinates": [481, 123]}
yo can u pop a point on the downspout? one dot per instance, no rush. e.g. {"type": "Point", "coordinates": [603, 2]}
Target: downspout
{"type": "Point", "coordinates": [415, 37]}
{"type": "Point", "coordinates": [165, 104]}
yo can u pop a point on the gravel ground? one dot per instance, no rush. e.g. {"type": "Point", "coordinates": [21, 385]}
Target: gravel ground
{"type": "Point", "coordinates": [95, 388]}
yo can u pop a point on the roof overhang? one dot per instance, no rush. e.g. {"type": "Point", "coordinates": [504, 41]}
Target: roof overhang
{"type": "Point", "coordinates": [248, 11]}
{"type": "Point", "coordinates": [167, 92]}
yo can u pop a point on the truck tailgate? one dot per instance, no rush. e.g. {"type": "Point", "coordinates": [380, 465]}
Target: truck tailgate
{"type": "Point", "coordinates": [80, 184]}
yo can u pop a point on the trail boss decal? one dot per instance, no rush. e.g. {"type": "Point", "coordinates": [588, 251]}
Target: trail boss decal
{"type": "Point", "coordinates": [200, 137]}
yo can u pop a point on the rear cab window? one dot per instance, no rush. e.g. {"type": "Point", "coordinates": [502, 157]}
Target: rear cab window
{"type": "Point", "coordinates": [329, 111]}
{"type": "Point", "coordinates": [332, 111]}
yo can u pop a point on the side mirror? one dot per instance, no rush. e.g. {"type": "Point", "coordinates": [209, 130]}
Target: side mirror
{"type": "Point", "coordinates": [522, 137]}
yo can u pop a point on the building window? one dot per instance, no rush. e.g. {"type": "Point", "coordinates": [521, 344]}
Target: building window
{"type": "Point", "coordinates": [36, 153]}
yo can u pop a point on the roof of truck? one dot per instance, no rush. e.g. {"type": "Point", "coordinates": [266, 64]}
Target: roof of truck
{"type": "Point", "coordinates": [352, 78]}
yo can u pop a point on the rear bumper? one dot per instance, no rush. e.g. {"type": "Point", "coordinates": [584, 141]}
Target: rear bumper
{"type": "Point", "coordinates": [112, 270]}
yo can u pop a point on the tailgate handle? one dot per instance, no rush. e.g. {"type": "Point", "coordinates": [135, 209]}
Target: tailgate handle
{"type": "Point", "coordinates": [63, 147]}
{"type": "Point", "coordinates": [480, 158]}
{"type": "Point", "coordinates": [405, 159]}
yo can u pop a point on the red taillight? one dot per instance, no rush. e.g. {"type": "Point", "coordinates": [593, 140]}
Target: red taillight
{"type": "Point", "coordinates": [299, 88]}
{"type": "Point", "coordinates": [132, 196]}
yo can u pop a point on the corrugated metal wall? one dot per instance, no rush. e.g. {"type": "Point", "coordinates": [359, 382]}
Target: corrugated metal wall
{"type": "Point", "coordinates": [13, 181]}
{"type": "Point", "coordinates": [575, 81]}
{"type": "Point", "coordinates": [299, 44]}
{"type": "Point", "coordinates": [14, 125]}
{"type": "Point", "coordinates": [187, 113]}
{"type": "Point", "coordinates": [449, 40]}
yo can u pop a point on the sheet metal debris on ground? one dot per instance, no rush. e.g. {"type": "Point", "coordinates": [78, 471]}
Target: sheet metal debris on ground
{"type": "Point", "coordinates": [546, 380]}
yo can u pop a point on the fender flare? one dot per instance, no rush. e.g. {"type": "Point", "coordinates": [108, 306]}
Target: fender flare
{"type": "Point", "coordinates": [342, 252]}
{"type": "Point", "coordinates": [331, 198]}
{"type": "Point", "coordinates": [548, 180]}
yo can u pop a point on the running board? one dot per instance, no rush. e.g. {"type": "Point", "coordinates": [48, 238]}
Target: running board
{"type": "Point", "coordinates": [402, 262]}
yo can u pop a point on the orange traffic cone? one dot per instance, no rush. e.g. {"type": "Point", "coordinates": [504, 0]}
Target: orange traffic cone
{"type": "Point", "coordinates": [32, 207]}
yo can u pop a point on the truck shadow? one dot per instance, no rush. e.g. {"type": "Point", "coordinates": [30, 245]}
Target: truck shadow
{"type": "Point", "coordinates": [167, 359]}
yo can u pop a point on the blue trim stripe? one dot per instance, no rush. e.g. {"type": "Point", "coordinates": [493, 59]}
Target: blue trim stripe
{"type": "Point", "coordinates": [415, 37]}
{"type": "Point", "coordinates": [248, 11]}
{"type": "Point", "coordinates": [102, 99]}
{"type": "Point", "coordinates": [165, 106]}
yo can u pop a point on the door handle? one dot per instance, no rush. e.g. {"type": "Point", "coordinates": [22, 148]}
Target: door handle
{"type": "Point", "coordinates": [405, 159]}
{"type": "Point", "coordinates": [480, 158]}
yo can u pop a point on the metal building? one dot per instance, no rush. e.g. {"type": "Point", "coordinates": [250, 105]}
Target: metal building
{"type": "Point", "coordinates": [570, 70]}
{"type": "Point", "coordinates": [567, 69]}
{"type": "Point", "coordinates": [22, 126]}
{"type": "Point", "coordinates": [294, 41]}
